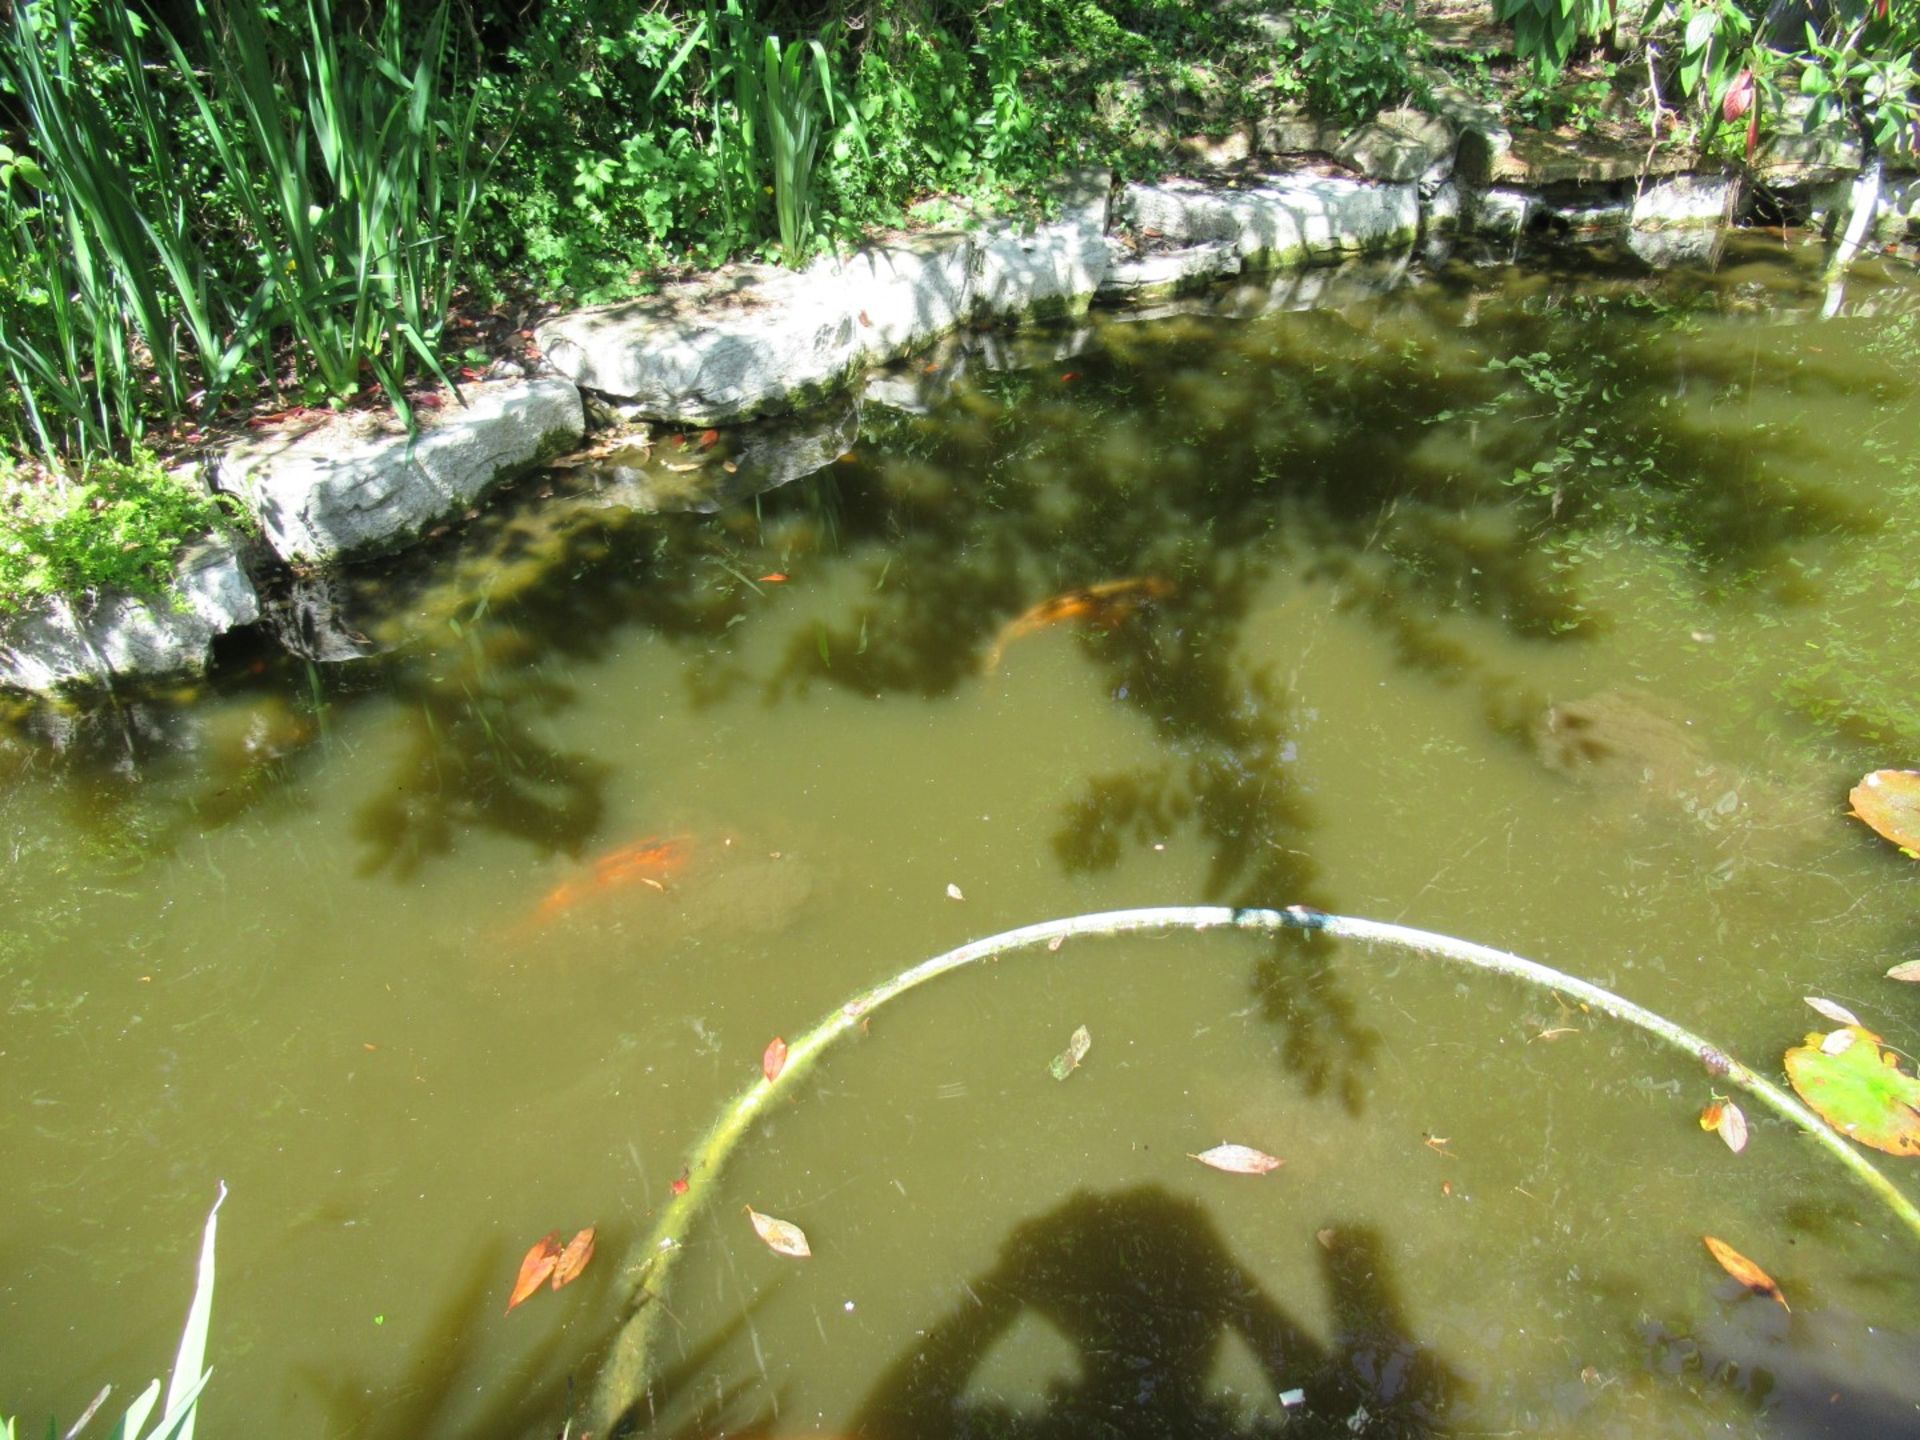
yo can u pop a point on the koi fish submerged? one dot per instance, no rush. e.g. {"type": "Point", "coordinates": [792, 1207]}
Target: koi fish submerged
{"type": "Point", "coordinates": [1105, 604]}
{"type": "Point", "coordinates": [645, 862]}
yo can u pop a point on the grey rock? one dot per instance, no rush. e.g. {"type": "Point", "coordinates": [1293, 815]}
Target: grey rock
{"type": "Point", "coordinates": [359, 484]}
{"type": "Point", "coordinates": [1685, 200]}
{"type": "Point", "coordinates": [1497, 212]}
{"type": "Point", "coordinates": [1677, 245]}
{"type": "Point", "coordinates": [1043, 273]}
{"type": "Point", "coordinates": [1156, 276]}
{"type": "Point", "coordinates": [1283, 220]}
{"type": "Point", "coordinates": [1398, 145]}
{"type": "Point", "coordinates": [62, 644]}
{"type": "Point", "coordinates": [906, 291]}
{"type": "Point", "coordinates": [748, 341]}
{"type": "Point", "coordinates": [1294, 132]}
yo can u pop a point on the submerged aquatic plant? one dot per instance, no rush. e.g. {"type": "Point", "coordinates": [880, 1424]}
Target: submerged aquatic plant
{"type": "Point", "coordinates": [190, 1370]}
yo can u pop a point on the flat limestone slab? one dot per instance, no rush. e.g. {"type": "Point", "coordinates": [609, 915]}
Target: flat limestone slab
{"type": "Point", "coordinates": [1281, 221]}
{"type": "Point", "coordinates": [359, 484]}
{"type": "Point", "coordinates": [1537, 158]}
{"type": "Point", "coordinates": [755, 340]}
{"type": "Point", "coordinates": [748, 341]}
{"type": "Point", "coordinates": [63, 644]}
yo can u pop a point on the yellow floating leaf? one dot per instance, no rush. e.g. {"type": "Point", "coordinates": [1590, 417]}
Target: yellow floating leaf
{"type": "Point", "coordinates": [1858, 1088]}
{"type": "Point", "coordinates": [1889, 801]}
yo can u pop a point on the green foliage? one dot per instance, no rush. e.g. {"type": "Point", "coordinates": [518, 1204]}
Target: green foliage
{"type": "Point", "coordinates": [1353, 57]}
{"type": "Point", "coordinates": [169, 222]}
{"type": "Point", "coordinates": [118, 528]}
{"type": "Point", "coordinates": [794, 97]}
{"type": "Point", "coordinates": [1860, 66]}
{"type": "Point", "coordinates": [369, 182]}
{"type": "Point", "coordinates": [1546, 32]}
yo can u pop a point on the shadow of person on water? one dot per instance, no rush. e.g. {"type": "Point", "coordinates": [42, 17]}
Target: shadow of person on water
{"type": "Point", "coordinates": [1145, 1290]}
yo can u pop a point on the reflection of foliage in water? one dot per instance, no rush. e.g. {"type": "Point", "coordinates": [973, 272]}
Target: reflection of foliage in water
{"type": "Point", "coordinates": [473, 762]}
{"type": "Point", "coordinates": [1463, 449]}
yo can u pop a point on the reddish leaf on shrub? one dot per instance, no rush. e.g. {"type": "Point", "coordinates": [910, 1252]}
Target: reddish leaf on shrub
{"type": "Point", "coordinates": [1739, 97]}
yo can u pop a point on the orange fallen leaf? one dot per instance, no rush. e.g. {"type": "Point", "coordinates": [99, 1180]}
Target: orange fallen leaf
{"type": "Point", "coordinates": [782, 1237]}
{"type": "Point", "coordinates": [1238, 1159]}
{"type": "Point", "coordinates": [709, 438]}
{"type": "Point", "coordinates": [1889, 802]}
{"type": "Point", "coordinates": [574, 1258]}
{"type": "Point", "coordinates": [773, 1059]}
{"type": "Point", "coordinates": [776, 578]}
{"type": "Point", "coordinates": [535, 1268]}
{"type": "Point", "coordinates": [1069, 377]}
{"type": "Point", "coordinates": [1745, 1271]}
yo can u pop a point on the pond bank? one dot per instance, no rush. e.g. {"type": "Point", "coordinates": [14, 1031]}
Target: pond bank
{"type": "Point", "coordinates": [750, 342]}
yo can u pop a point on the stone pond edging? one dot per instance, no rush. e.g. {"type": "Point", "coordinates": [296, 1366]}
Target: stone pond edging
{"type": "Point", "coordinates": [750, 341]}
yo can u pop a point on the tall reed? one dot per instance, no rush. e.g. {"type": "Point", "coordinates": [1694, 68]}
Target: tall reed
{"type": "Point", "coordinates": [370, 175]}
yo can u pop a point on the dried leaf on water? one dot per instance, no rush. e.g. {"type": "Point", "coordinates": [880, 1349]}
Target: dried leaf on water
{"type": "Point", "coordinates": [1889, 802]}
{"type": "Point", "coordinates": [1909, 970]}
{"type": "Point", "coordinates": [782, 1237]}
{"type": "Point", "coordinates": [1858, 1088]}
{"type": "Point", "coordinates": [535, 1268]}
{"type": "Point", "coordinates": [1745, 1271]}
{"type": "Point", "coordinates": [1068, 1060]}
{"type": "Point", "coordinates": [773, 1059]}
{"type": "Point", "coordinates": [574, 1258]}
{"type": "Point", "coordinates": [1238, 1159]}
{"type": "Point", "coordinates": [1839, 1014]}
{"type": "Point", "coordinates": [953, 893]}
{"type": "Point", "coordinates": [1837, 1042]}
{"type": "Point", "coordinates": [1725, 1118]}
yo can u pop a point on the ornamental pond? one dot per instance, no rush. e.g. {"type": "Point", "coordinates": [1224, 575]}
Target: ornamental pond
{"type": "Point", "coordinates": [1554, 606]}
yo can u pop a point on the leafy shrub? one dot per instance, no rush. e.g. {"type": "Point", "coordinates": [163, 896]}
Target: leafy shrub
{"type": "Point", "coordinates": [1351, 58]}
{"type": "Point", "coordinates": [118, 528]}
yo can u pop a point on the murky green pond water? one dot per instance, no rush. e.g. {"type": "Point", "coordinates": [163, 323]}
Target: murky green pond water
{"type": "Point", "coordinates": [1553, 610]}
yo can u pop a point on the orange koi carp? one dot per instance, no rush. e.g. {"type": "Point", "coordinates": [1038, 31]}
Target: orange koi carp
{"type": "Point", "coordinates": [644, 862]}
{"type": "Point", "coordinates": [1107, 603]}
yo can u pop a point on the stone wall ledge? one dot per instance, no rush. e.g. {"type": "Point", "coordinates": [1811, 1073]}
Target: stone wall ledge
{"type": "Point", "coordinates": [61, 645]}
{"type": "Point", "coordinates": [752, 341]}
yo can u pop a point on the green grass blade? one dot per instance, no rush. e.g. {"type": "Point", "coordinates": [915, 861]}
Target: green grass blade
{"type": "Point", "coordinates": [189, 1365]}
